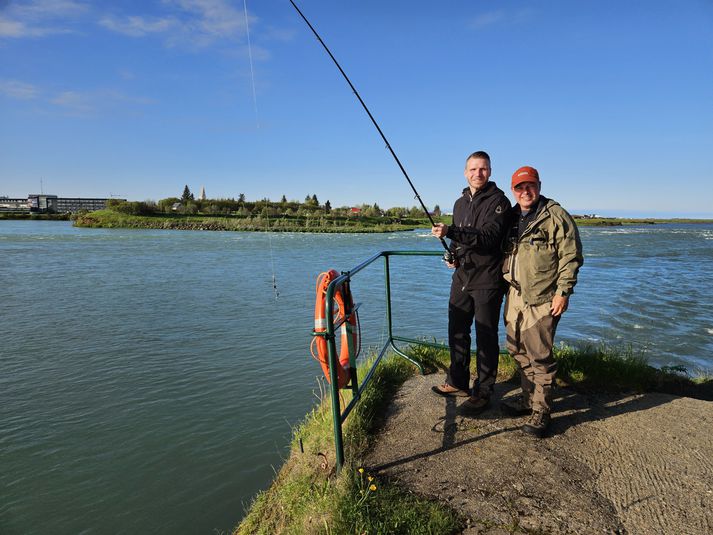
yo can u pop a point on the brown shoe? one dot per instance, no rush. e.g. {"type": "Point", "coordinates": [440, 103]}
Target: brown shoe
{"type": "Point", "coordinates": [474, 405]}
{"type": "Point", "coordinates": [449, 391]}
{"type": "Point", "coordinates": [537, 424]}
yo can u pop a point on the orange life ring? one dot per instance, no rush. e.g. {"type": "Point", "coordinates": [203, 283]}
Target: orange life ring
{"type": "Point", "coordinates": [349, 336]}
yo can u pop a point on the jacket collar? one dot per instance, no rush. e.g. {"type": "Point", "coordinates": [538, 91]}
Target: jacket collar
{"type": "Point", "coordinates": [489, 189]}
{"type": "Point", "coordinates": [541, 212]}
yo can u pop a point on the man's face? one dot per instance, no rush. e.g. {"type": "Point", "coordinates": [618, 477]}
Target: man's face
{"type": "Point", "coordinates": [477, 173]}
{"type": "Point", "coordinates": [527, 194]}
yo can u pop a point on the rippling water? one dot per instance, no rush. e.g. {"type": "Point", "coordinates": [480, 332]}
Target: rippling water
{"type": "Point", "coordinates": [150, 378]}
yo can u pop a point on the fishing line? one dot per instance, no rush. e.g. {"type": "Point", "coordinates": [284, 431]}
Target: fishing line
{"type": "Point", "coordinates": [272, 259]}
{"type": "Point", "coordinates": [250, 56]}
{"type": "Point", "coordinates": [257, 124]}
{"type": "Point", "coordinates": [448, 256]}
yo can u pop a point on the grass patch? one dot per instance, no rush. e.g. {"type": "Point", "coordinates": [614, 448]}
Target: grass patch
{"type": "Point", "coordinates": [320, 223]}
{"type": "Point", "coordinates": [34, 217]}
{"type": "Point", "coordinates": [598, 367]}
{"type": "Point", "coordinates": [308, 497]}
{"type": "Point", "coordinates": [619, 221]}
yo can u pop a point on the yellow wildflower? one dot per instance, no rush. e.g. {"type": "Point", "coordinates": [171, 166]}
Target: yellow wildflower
{"type": "Point", "coordinates": [361, 470]}
{"type": "Point", "coordinates": [372, 487]}
{"type": "Point", "coordinates": [370, 478]}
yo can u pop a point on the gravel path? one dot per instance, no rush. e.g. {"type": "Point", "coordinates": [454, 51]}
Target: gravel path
{"type": "Point", "coordinates": [636, 464]}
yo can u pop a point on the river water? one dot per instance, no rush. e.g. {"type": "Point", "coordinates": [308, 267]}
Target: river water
{"type": "Point", "coordinates": [149, 379]}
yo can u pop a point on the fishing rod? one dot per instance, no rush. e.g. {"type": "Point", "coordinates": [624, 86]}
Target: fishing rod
{"type": "Point", "coordinates": [448, 256]}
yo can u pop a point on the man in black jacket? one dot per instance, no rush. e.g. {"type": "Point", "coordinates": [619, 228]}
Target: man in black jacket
{"type": "Point", "coordinates": [480, 219]}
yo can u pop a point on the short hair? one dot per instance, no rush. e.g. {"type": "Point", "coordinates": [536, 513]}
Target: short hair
{"type": "Point", "coordinates": [478, 154]}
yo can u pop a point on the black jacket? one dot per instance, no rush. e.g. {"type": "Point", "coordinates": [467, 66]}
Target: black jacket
{"type": "Point", "coordinates": [480, 223]}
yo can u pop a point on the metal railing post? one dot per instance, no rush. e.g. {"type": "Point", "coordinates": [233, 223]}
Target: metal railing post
{"type": "Point", "coordinates": [337, 416]}
{"type": "Point", "coordinates": [333, 378]}
{"type": "Point", "coordinates": [387, 287]}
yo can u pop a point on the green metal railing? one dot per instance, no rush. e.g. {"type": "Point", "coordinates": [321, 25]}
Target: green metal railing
{"type": "Point", "coordinates": [338, 415]}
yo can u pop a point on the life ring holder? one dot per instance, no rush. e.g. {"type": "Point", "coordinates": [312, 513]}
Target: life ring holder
{"type": "Point", "coordinates": [345, 318]}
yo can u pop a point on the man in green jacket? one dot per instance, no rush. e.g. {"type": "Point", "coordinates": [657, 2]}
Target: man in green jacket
{"type": "Point", "coordinates": [543, 256]}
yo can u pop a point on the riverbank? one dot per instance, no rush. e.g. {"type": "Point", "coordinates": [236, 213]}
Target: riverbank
{"type": "Point", "coordinates": [407, 442]}
{"type": "Point", "coordinates": [320, 223]}
{"type": "Point", "coordinates": [34, 217]}
{"type": "Point", "coordinates": [620, 221]}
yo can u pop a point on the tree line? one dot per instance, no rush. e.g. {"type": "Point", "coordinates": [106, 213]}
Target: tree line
{"type": "Point", "coordinates": [187, 204]}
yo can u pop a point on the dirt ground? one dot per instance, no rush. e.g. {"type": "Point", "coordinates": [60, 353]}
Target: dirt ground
{"type": "Point", "coordinates": [634, 464]}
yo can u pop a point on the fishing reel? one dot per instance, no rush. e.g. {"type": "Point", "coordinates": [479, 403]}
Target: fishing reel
{"type": "Point", "coordinates": [449, 257]}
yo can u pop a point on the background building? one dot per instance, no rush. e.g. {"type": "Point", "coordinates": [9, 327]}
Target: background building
{"type": "Point", "coordinates": [13, 205]}
{"type": "Point", "coordinates": [42, 204]}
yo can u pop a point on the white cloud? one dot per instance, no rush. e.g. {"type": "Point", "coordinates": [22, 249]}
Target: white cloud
{"type": "Point", "coordinates": [498, 17]}
{"type": "Point", "coordinates": [98, 102]}
{"type": "Point", "coordinates": [487, 19]}
{"type": "Point", "coordinates": [18, 90]}
{"type": "Point", "coordinates": [179, 23]}
{"type": "Point", "coordinates": [46, 9]}
{"type": "Point", "coordinates": [11, 28]}
{"type": "Point", "coordinates": [279, 34]}
{"type": "Point", "coordinates": [194, 23]}
{"type": "Point", "coordinates": [126, 74]}
{"type": "Point", "coordinates": [216, 18]}
{"type": "Point", "coordinates": [39, 18]}
{"type": "Point", "coordinates": [135, 26]}
{"type": "Point", "coordinates": [74, 101]}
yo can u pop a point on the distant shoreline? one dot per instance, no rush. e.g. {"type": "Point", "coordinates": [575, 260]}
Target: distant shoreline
{"type": "Point", "coordinates": [621, 221]}
{"type": "Point", "coordinates": [110, 219]}
{"type": "Point", "coordinates": [319, 224]}
{"type": "Point", "coordinates": [34, 217]}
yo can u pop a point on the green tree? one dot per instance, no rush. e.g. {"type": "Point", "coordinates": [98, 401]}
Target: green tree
{"type": "Point", "coordinates": [187, 195]}
{"type": "Point", "coordinates": [241, 198]}
{"type": "Point", "coordinates": [371, 211]}
{"type": "Point", "coordinates": [437, 211]}
{"type": "Point", "coordinates": [283, 200]}
{"type": "Point", "coordinates": [327, 207]}
{"type": "Point", "coordinates": [132, 207]}
{"type": "Point", "coordinates": [397, 212]}
{"type": "Point", "coordinates": [314, 200]}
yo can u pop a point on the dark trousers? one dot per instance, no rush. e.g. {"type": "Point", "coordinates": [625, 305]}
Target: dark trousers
{"type": "Point", "coordinates": [465, 306]}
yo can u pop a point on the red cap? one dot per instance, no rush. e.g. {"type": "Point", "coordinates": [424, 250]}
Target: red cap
{"type": "Point", "coordinates": [525, 174]}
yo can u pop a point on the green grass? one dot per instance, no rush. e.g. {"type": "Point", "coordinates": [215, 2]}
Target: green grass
{"type": "Point", "coordinates": [619, 221]}
{"type": "Point", "coordinates": [308, 497]}
{"type": "Point", "coordinates": [598, 367]}
{"type": "Point", "coordinates": [33, 216]}
{"type": "Point", "coordinates": [323, 223]}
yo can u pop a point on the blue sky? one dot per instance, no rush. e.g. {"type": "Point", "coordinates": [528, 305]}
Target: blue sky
{"type": "Point", "coordinates": [611, 100]}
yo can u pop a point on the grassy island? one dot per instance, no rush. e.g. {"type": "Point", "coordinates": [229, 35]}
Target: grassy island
{"type": "Point", "coordinates": [187, 213]}
{"type": "Point", "coordinates": [285, 216]}
{"type": "Point", "coordinates": [322, 223]}
{"type": "Point", "coordinates": [264, 215]}
{"type": "Point", "coordinates": [308, 497]}
{"type": "Point", "coordinates": [583, 221]}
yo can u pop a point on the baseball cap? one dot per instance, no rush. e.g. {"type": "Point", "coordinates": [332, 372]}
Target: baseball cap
{"type": "Point", "coordinates": [525, 174]}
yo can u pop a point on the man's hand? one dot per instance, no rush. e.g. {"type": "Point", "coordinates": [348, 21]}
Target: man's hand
{"type": "Point", "coordinates": [439, 230]}
{"type": "Point", "coordinates": [559, 305]}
